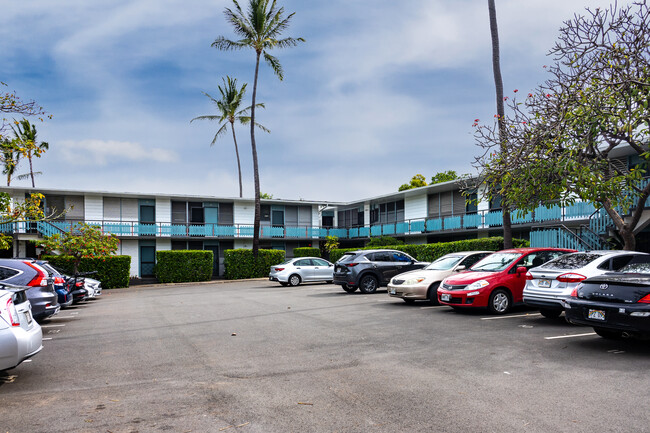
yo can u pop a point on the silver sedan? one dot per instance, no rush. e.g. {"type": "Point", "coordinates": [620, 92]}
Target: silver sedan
{"type": "Point", "coordinates": [301, 270]}
{"type": "Point", "coordinates": [20, 335]}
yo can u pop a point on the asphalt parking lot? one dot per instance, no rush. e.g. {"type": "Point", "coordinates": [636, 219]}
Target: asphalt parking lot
{"type": "Point", "coordinates": [257, 357]}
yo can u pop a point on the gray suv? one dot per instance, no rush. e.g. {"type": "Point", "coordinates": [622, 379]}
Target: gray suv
{"type": "Point", "coordinates": [369, 269]}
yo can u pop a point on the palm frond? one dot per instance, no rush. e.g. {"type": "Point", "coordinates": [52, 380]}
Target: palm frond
{"type": "Point", "coordinates": [224, 44]}
{"type": "Point", "coordinates": [220, 132]}
{"type": "Point", "coordinates": [206, 117]}
{"type": "Point", "coordinates": [274, 63]}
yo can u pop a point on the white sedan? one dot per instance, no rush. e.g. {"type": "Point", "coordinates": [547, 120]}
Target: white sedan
{"type": "Point", "coordinates": [301, 270]}
{"type": "Point", "coordinates": [20, 335]}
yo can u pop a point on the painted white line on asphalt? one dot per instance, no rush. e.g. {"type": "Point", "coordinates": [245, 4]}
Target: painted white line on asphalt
{"type": "Point", "coordinates": [62, 317]}
{"type": "Point", "coordinates": [53, 326]}
{"type": "Point", "coordinates": [47, 338]}
{"type": "Point", "coordinates": [570, 336]}
{"type": "Point", "coordinates": [510, 317]}
{"type": "Point", "coordinates": [430, 308]}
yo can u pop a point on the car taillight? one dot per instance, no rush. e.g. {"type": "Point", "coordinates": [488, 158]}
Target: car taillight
{"type": "Point", "coordinates": [351, 265]}
{"type": "Point", "coordinates": [570, 278]}
{"type": "Point", "coordinates": [279, 269]}
{"type": "Point", "coordinates": [9, 313]}
{"type": "Point", "coordinates": [79, 283]}
{"type": "Point", "coordinates": [529, 276]}
{"type": "Point", "coordinates": [58, 280]}
{"type": "Point", "coordinates": [574, 294]}
{"type": "Point", "coordinates": [41, 277]}
{"type": "Point", "coordinates": [645, 299]}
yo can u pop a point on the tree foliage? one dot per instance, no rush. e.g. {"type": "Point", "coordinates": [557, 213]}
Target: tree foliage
{"type": "Point", "coordinates": [416, 182]}
{"type": "Point", "coordinates": [10, 211]}
{"type": "Point", "coordinates": [260, 28]}
{"type": "Point", "coordinates": [12, 104]}
{"type": "Point", "coordinates": [563, 139]}
{"type": "Point", "coordinates": [82, 241]}
{"type": "Point", "coordinates": [419, 180]}
{"type": "Point", "coordinates": [27, 146]}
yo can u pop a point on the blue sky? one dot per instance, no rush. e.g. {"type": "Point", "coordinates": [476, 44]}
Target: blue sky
{"type": "Point", "coordinates": [380, 91]}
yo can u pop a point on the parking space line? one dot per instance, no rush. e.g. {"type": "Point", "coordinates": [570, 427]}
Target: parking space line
{"type": "Point", "coordinates": [62, 317]}
{"type": "Point", "coordinates": [570, 336]}
{"type": "Point", "coordinates": [510, 317]}
{"type": "Point", "coordinates": [47, 338]}
{"type": "Point", "coordinates": [52, 326]}
{"type": "Point", "coordinates": [432, 307]}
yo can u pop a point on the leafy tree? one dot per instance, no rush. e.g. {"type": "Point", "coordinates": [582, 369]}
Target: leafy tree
{"type": "Point", "coordinates": [266, 195]}
{"type": "Point", "coordinates": [11, 103]}
{"type": "Point", "coordinates": [384, 241]}
{"type": "Point", "coordinates": [229, 112]}
{"type": "Point", "coordinates": [417, 181]}
{"type": "Point", "coordinates": [10, 212]}
{"type": "Point", "coordinates": [443, 176]}
{"type": "Point", "coordinates": [10, 154]}
{"type": "Point", "coordinates": [27, 145]}
{"type": "Point", "coordinates": [259, 28]}
{"type": "Point", "coordinates": [83, 241]}
{"type": "Point", "coordinates": [331, 243]}
{"type": "Point", "coordinates": [564, 136]}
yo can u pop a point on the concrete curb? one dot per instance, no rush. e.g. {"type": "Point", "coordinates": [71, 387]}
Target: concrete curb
{"type": "Point", "coordinates": [189, 283]}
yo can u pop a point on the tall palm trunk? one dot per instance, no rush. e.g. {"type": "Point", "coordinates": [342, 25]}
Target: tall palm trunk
{"type": "Point", "coordinates": [256, 173]}
{"type": "Point", "coordinates": [498, 83]}
{"type": "Point", "coordinates": [232, 126]}
{"type": "Point", "coordinates": [31, 169]}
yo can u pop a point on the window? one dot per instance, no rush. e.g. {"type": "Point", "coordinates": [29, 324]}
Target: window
{"type": "Point", "coordinates": [7, 273]}
{"type": "Point", "coordinates": [303, 262]}
{"type": "Point", "coordinates": [400, 257]}
{"type": "Point", "coordinates": [471, 204]}
{"type": "Point", "coordinates": [320, 262]}
{"type": "Point", "coordinates": [470, 260]}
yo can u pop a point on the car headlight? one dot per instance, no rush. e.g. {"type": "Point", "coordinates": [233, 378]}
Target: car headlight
{"type": "Point", "coordinates": [478, 285]}
{"type": "Point", "coordinates": [412, 281]}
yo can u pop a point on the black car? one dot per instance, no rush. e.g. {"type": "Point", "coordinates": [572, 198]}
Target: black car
{"type": "Point", "coordinates": [369, 269]}
{"type": "Point", "coordinates": [41, 292]}
{"type": "Point", "coordinates": [616, 304]}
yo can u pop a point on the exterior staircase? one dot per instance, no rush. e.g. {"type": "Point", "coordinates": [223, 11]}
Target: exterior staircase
{"type": "Point", "coordinates": [595, 235]}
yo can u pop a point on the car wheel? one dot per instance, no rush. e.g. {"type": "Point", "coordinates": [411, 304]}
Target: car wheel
{"type": "Point", "coordinates": [433, 294]}
{"type": "Point", "coordinates": [284, 284]}
{"type": "Point", "coordinates": [294, 280]}
{"type": "Point", "coordinates": [408, 301]}
{"type": "Point", "coordinates": [609, 334]}
{"type": "Point", "coordinates": [368, 284]}
{"type": "Point", "coordinates": [550, 314]}
{"type": "Point", "coordinates": [348, 288]}
{"type": "Point", "coordinates": [499, 302]}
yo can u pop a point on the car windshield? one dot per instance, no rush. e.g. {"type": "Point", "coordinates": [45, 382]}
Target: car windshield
{"type": "Point", "coordinates": [444, 263]}
{"type": "Point", "coordinates": [496, 262]}
{"type": "Point", "coordinates": [571, 261]}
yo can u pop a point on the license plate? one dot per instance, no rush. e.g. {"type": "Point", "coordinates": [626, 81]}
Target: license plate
{"type": "Point", "coordinates": [596, 314]}
{"type": "Point", "coordinates": [544, 283]}
{"type": "Point", "coordinates": [28, 316]}
{"type": "Point", "coordinates": [445, 297]}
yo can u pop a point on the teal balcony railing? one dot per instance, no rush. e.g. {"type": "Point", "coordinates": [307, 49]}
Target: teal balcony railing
{"type": "Point", "coordinates": [474, 221]}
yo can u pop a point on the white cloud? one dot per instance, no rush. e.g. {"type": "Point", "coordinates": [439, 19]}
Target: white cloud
{"type": "Point", "coordinates": [102, 152]}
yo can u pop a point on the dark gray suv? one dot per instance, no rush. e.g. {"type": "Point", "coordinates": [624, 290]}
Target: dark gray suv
{"type": "Point", "coordinates": [369, 269]}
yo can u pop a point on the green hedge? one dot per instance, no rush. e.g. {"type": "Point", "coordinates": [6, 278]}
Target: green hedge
{"type": "Point", "coordinates": [306, 252]}
{"type": "Point", "coordinates": [241, 264]}
{"type": "Point", "coordinates": [112, 271]}
{"type": "Point", "coordinates": [181, 266]}
{"type": "Point", "coordinates": [430, 252]}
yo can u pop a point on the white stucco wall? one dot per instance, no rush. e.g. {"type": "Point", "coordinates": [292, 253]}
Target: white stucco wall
{"type": "Point", "coordinates": [93, 208]}
{"type": "Point", "coordinates": [129, 247]}
{"type": "Point", "coordinates": [130, 210]}
{"type": "Point", "coordinates": [415, 207]}
{"type": "Point", "coordinates": [244, 212]}
{"type": "Point", "coordinates": [163, 210]}
{"type": "Point", "coordinates": [484, 203]}
{"type": "Point", "coordinates": [163, 244]}
{"type": "Point", "coordinates": [243, 244]}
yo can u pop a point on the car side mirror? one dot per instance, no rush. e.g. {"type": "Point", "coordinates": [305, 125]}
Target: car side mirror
{"type": "Point", "coordinates": [460, 268]}
{"type": "Point", "coordinates": [521, 270]}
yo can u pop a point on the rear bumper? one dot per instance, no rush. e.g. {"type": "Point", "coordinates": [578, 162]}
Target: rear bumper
{"type": "Point", "coordinates": [544, 302]}
{"type": "Point", "coordinates": [620, 317]}
{"type": "Point", "coordinates": [18, 344]}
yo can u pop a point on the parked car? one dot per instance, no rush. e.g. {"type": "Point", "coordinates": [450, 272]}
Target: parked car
{"type": "Point", "coordinates": [496, 282]}
{"type": "Point", "coordinates": [20, 336]}
{"type": "Point", "coordinates": [301, 270]}
{"type": "Point", "coordinates": [64, 295]}
{"type": "Point", "coordinates": [93, 286]}
{"type": "Point", "coordinates": [369, 269]}
{"type": "Point", "coordinates": [548, 285]}
{"type": "Point", "coordinates": [616, 304]}
{"type": "Point", "coordinates": [41, 292]}
{"type": "Point", "coordinates": [422, 284]}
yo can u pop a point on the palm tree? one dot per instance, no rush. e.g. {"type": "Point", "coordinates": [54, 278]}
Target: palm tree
{"type": "Point", "coordinates": [10, 157]}
{"type": "Point", "coordinates": [228, 107]}
{"type": "Point", "coordinates": [498, 83]}
{"type": "Point", "coordinates": [26, 140]}
{"type": "Point", "coordinates": [259, 29]}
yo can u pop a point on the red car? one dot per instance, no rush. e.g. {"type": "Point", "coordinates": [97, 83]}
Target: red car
{"type": "Point", "coordinates": [497, 281]}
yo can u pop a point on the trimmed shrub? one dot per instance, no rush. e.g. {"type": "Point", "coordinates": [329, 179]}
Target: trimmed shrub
{"type": "Point", "coordinates": [240, 263]}
{"type": "Point", "coordinates": [381, 241]}
{"type": "Point", "coordinates": [112, 271]}
{"type": "Point", "coordinates": [431, 252]}
{"type": "Point", "coordinates": [180, 266]}
{"type": "Point", "coordinates": [306, 252]}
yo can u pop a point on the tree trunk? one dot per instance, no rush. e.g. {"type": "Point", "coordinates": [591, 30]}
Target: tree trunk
{"type": "Point", "coordinates": [256, 173]}
{"type": "Point", "coordinates": [498, 84]}
{"type": "Point", "coordinates": [232, 126]}
{"type": "Point", "coordinates": [31, 170]}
